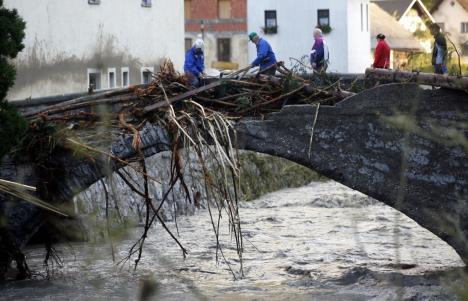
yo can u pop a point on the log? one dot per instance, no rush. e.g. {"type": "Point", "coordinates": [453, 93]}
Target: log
{"type": "Point", "coordinates": [88, 98]}
{"type": "Point", "coordinates": [65, 107]}
{"type": "Point", "coordinates": [182, 96]}
{"type": "Point", "coordinates": [431, 79]}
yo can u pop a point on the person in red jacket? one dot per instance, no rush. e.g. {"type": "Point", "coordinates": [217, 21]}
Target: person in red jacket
{"type": "Point", "coordinates": [382, 53]}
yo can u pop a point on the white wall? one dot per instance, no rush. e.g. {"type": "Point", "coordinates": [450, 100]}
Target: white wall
{"type": "Point", "coordinates": [65, 38]}
{"type": "Point", "coordinates": [452, 17]}
{"type": "Point", "coordinates": [349, 48]}
{"type": "Point", "coordinates": [359, 46]}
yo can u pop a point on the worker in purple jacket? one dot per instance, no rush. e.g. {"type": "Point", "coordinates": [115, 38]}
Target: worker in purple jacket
{"type": "Point", "coordinates": [319, 54]}
{"type": "Point", "coordinates": [266, 58]}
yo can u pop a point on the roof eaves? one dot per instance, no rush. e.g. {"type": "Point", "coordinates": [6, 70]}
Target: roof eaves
{"type": "Point", "coordinates": [426, 11]}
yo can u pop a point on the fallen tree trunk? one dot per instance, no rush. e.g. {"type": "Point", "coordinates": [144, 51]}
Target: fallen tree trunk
{"type": "Point", "coordinates": [87, 99]}
{"type": "Point", "coordinates": [431, 79]}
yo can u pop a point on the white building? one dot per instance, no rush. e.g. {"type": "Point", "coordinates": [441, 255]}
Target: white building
{"type": "Point", "coordinates": [452, 16]}
{"type": "Point", "coordinates": [294, 21]}
{"type": "Point", "coordinates": [106, 43]}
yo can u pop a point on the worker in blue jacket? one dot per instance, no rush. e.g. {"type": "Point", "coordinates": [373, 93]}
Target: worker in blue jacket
{"type": "Point", "coordinates": [265, 55]}
{"type": "Point", "coordinates": [194, 65]}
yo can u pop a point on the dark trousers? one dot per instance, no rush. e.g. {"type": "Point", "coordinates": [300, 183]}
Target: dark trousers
{"type": "Point", "coordinates": [439, 69]}
{"type": "Point", "coordinates": [193, 80]}
{"type": "Point", "coordinates": [269, 71]}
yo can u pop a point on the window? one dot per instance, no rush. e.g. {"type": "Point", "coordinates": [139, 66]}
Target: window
{"type": "Point", "coordinates": [147, 75]}
{"type": "Point", "coordinates": [464, 27]}
{"type": "Point", "coordinates": [224, 49]}
{"type": "Point", "coordinates": [188, 9]}
{"type": "Point", "coordinates": [188, 44]}
{"type": "Point", "coordinates": [224, 9]}
{"type": "Point", "coordinates": [271, 22]}
{"type": "Point", "coordinates": [323, 17]}
{"type": "Point", "coordinates": [111, 77]}
{"type": "Point", "coordinates": [125, 77]}
{"type": "Point", "coordinates": [146, 3]}
{"type": "Point", "coordinates": [95, 2]}
{"type": "Point", "coordinates": [94, 79]}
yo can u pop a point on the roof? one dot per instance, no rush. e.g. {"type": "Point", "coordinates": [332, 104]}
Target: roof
{"type": "Point", "coordinates": [396, 8]}
{"type": "Point", "coordinates": [463, 3]}
{"type": "Point", "coordinates": [396, 35]}
{"type": "Point", "coordinates": [399, 8]}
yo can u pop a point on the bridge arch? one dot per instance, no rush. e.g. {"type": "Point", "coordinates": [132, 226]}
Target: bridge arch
{"type": "Point", "coordinates": [400, 144]}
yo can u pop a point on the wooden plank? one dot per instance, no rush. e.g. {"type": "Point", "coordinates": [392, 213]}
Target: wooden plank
{"type": "Point", "coordinates": [183, 96]}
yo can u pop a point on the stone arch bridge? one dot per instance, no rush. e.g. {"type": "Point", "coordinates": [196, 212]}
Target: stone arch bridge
{"type": "Point", "coordinates": [399, 143]}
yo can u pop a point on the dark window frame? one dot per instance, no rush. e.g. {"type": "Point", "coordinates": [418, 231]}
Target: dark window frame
{"type": "Point", "coordinates": [146, 3]}
{"type": "Point", "coordinates": [274, 16]}
{"type": "Point", "coordinates": [94, 2]}
{"type": "Point", "coordinates": [224, 57]}
{"type": "Point", "coordinates": [112, 79]}
{"type": "Point", "coordinates": [146, 77]}
{"type": "Point", "coordinates": [125, 78]}
{"type": "Point", "coordinates": [95, 80]}
{"type": "Point", "coordinates": [464, 27]}
{"type": "Point", "coordinates": [188, 43]}
{"type": "Point", "coordinates": [323, 13]}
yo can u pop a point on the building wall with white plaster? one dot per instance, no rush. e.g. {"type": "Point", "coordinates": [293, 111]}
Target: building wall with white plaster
{"type": "Point", "coordinates": [65, 40]}
{"type": "Point", "coordinates": [452, 16]}
{"type": "Point", "coordinates": [348, 42]}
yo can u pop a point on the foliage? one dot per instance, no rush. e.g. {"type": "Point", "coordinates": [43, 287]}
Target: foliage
{"type": "Point", "coordinates": [12, 125]}
{"type": "Point", "coordinates": [422, 34]}
{"type": "Point", "coordinates": [270, 30]}
{"type": "Point", "coordinates": [325, 28]}
{"type": "Point", "coordinates": [263, 174]}
{"type": "Point", "coordinates": [11, 43]}
{"type": "Point", "coordinates": [429, 3]}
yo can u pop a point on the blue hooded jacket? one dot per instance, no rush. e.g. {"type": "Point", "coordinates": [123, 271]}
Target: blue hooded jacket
{"type": "Point", "coordinates": [194, 63]}
{"type": "Point", "coordinates": [265, 55]}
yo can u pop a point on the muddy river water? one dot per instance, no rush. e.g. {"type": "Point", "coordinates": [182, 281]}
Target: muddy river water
{"type": "Point", "coordinates": [319, 242]}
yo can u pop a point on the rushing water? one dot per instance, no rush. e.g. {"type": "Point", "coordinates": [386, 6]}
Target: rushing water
{"type": "Point", "coordinates": [319, 242]}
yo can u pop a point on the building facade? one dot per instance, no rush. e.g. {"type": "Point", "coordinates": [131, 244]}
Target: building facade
{"type": "Point", "coordinates": [223, 26]}
{"type": "Point", "coordinates": [402, 42]}
{"type": "Point", "coordinates": [452, 16]}
{"type": "Point", "coordinates": [289, 26]}
{"type": "Point", "coordinates": [413, 16]}
{"type": "Point", "coordinates": [70, 45]}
